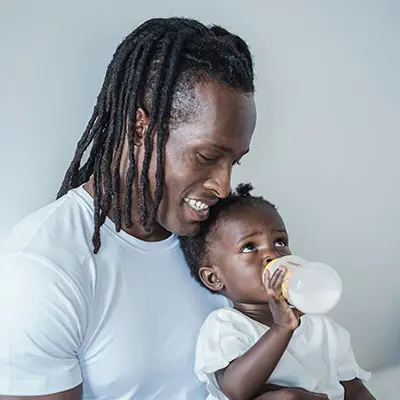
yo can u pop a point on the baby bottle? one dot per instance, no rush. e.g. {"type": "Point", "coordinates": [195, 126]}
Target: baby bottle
{"type": "Point", "coordinates": [311, 287]}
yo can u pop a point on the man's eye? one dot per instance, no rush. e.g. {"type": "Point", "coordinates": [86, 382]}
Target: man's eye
{"type": "Point", "coordinates": [248, 248]}
{"type": "Point", "coordinates": [207, 158]}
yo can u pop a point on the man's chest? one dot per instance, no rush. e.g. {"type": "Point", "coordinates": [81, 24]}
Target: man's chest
{"type": "Point", "coordinates": [140, 343]}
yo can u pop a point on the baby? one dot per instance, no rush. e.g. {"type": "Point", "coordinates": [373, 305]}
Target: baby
{"type": "Point", "coordinates": [261, 348]}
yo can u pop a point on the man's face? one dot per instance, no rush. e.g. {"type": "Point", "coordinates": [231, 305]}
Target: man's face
{"type": "Point", "coordinates": [200, 154]}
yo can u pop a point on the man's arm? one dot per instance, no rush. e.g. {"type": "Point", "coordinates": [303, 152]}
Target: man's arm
{"type": "Point", "coordinates": [43, 314]}
{"type": "Point", "coordinates": [245, 376]}
{"type": "Point", "coordinates": [72, 394]}
{"type": "Point", "coordinates": [355, 390]}
{"type": "Point", "coordinates": [288, 393]}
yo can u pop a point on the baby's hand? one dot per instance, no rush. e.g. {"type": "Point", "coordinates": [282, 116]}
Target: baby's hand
{"type": "Point", "coordinates": [284, 316]}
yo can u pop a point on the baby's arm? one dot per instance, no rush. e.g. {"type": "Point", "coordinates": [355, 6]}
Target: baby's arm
{"type": "Point", "coordinates": [245, 376]}
{"type": "Point", "coordinates": [355, 390]}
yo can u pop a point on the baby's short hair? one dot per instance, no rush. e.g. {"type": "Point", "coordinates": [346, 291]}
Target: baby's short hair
{"type": "Point", "coordinates": [196, 249]}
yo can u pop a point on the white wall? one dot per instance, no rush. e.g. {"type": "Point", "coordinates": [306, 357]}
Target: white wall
{"type": "Point", "coordinates": [326, 147]}
{"type": "Point", "coordinates": [384, 383]}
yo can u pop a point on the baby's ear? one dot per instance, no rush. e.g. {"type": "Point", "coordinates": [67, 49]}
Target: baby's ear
{"type": "Point", "coordinates": [211, 277]}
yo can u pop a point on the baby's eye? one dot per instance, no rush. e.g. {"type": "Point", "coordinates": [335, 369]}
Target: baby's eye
{"type": "Point", "coordinates": [280, 243]}
{"type": "Point", "coordinates": [248, 248]}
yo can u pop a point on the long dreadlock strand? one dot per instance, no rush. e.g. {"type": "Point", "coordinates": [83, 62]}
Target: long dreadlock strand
{"type": "Point", "coordinates": [158, 84]}
{"type": "Point", "coordinates": [114, 133]}
{"type": "Point", "coordinates": [115, 136]}
{"type": "Point", "coordinates": [97, 207]}
{"type": "Point", "coordinates": [165, 101]}
{"type": "Point", "coordinates": [123, 127]}
{"type": "Point", "coordinates": [73, 168]}
{"type": "Point", "coordinates": [132, 169]}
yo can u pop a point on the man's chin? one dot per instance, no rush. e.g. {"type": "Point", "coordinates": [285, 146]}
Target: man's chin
{"type": "Point", "coordinates": [181, 225]}
{"type": "Point", "coordinates": [188, 229]}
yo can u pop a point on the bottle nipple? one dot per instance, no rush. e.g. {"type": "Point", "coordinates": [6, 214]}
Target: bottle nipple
{"type": "Point", "coordinates": [268, 266]}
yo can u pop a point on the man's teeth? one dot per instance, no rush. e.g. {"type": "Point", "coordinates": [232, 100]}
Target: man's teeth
{"type": "Point", "coordinates": [196, 204]}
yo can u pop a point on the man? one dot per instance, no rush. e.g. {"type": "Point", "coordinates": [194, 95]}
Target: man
{"type": "Point", "coordinates": [96, 299]}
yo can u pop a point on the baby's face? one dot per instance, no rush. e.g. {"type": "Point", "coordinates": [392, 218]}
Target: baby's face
{"type": "Point", "coordinates": [245, 241]}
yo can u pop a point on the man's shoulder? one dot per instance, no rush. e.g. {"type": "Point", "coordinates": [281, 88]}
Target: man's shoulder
{"type": "Point", "coordinates": [56, 225]}
{"type": "Point", "coordinates": [51, 247]}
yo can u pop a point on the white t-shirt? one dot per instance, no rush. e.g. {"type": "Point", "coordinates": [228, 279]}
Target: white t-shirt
{"type": "Point", "coordinates": [124, 321]}
{"type": "Point", "coordinates": [318, 357]}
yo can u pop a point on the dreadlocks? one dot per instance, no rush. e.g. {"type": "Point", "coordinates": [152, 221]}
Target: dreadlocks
{"type": "Point", "coordinates": [156, 68]}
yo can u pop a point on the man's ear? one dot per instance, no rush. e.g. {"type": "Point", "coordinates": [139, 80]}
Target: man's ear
{"type": "Point", "coordinates": [141, 125]}
{"type": "Point", "coordinates": [211, 277]}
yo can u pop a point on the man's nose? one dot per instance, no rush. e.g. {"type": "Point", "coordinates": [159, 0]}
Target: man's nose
{"type": "Point", "coordinates": [220, 182]}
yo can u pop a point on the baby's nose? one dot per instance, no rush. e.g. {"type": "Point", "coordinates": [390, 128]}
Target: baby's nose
{"type": "Point", "coordinates": [270, 257]}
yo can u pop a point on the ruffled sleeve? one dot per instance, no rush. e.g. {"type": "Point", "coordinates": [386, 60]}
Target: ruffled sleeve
{"type": "Point", "coordinates": [346, 365]}
{"type": "Point", "coordinates": [223, 337]}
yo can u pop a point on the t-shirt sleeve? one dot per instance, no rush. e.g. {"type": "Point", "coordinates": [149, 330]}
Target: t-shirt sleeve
{"type": "Point", "coordinates": [346, 364]}
{"type": "Point", "coordinates": [222, 339]}
{"type": "Point", "coordinates": [42, 316]}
